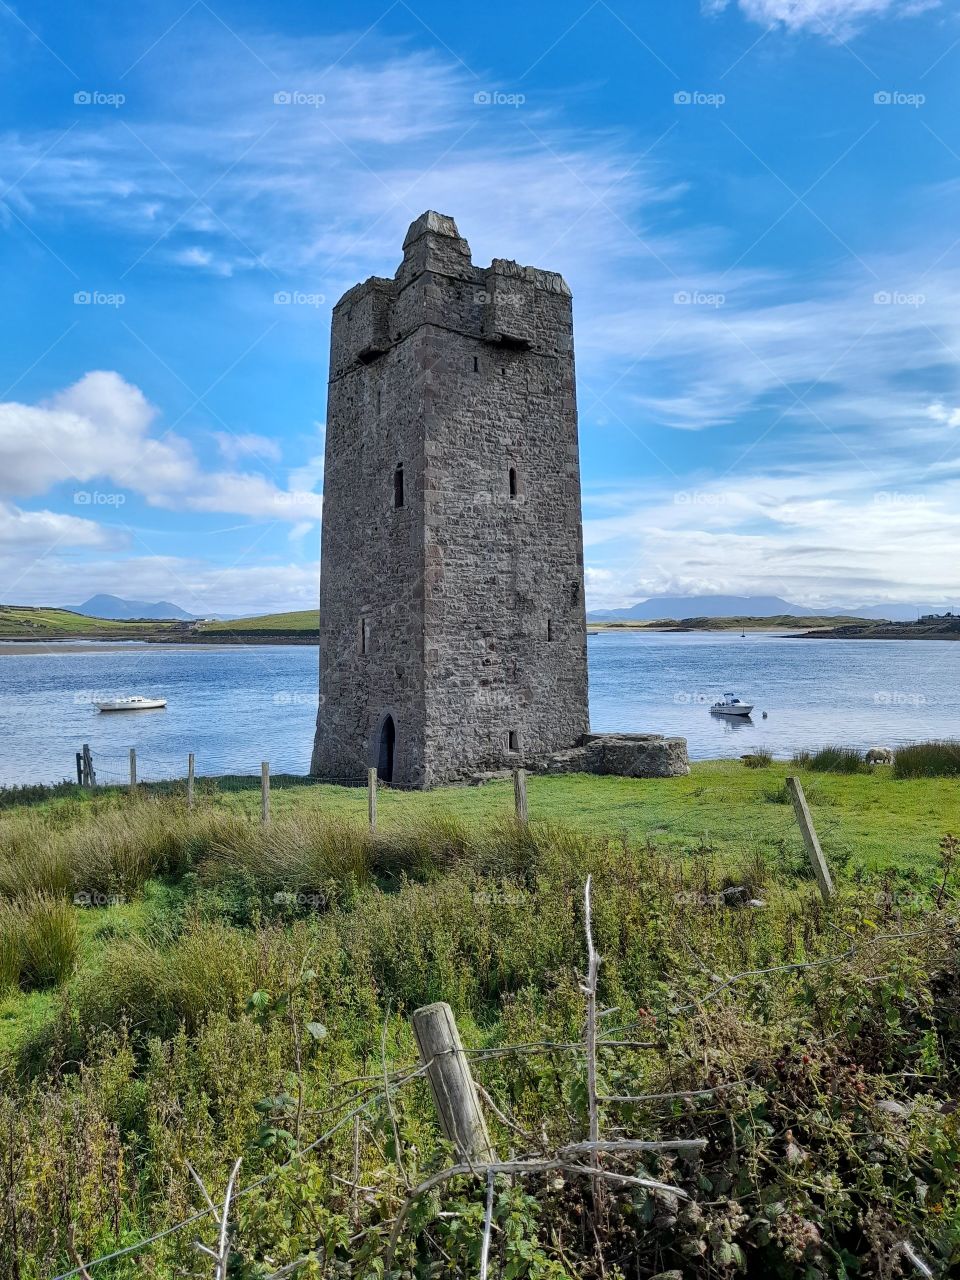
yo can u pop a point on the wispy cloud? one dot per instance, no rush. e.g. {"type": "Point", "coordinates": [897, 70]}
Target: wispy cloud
{"type": "Point", "coordinates": [838, 18]}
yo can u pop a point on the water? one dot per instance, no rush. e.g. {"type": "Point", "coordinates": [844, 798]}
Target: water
{"type": "Point", "coordinates": [234, 706]}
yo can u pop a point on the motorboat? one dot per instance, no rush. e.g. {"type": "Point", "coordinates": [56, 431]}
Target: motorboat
{"type": "Point", "coordinates": [135, 703]}
{"type": "Point", "coordinates": [731, 706]}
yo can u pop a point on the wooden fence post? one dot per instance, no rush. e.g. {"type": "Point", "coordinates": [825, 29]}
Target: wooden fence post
{"type": "Point", "coordinates": [79, 768]}
{"type": "Point", "coordinates": [451, 1082]}
{"type": "Point", "coordinates": [133, 769]}
{"type": "Point", "coordinates": [817, 861]}
{"type": "Point", "coordinates": [372, 798]}
{"type": "Point", "coordinates": [265, 791]}
{"type": "Point", "coordinates": [190, 769]}
{"type": "Point", "coordinates": [89, 773]}
{"type": "Point", "coordinates": [520, 793]}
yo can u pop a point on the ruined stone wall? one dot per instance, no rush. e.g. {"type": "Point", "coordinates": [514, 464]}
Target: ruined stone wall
{"type": "Point", "coordinates": [475, 593]}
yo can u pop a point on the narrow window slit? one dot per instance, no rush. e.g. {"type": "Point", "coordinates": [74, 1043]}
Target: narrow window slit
{"type": "Point", "coordinates": [513, 482]}
{"type": "Point", "coordinates": [398, 486]}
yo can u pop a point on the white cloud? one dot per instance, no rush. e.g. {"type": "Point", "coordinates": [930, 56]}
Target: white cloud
{"type": "Point", "coordinates": [941, 413]}
{"type": "Point", "coordinates": [42, 530]}
{"type": "Point", "coordinates": [196, 584]}
{"type": "Point", "coordinates": [100, 428]}
{"type": "Point", "coordinates": [238, 445]}
{"type": "Point", "coordinates": [838, 18]}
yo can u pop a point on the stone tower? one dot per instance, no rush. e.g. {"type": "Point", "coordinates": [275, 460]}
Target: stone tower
{"type": "Point", "coordinates": [452, 625]}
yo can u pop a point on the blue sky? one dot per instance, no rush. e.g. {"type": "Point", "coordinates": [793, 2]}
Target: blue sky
{"type": "Point", "coordinates": [755, 204]}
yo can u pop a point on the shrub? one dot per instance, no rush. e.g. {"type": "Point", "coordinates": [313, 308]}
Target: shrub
{"type": "Point", "coordinates": [760, 759]}
{"type": "Point", "coordinates": [938, 759]}
{"type": "Point", "coordinates": [831, 760]}
{"type": "Point", "coordinates": [50, 941]}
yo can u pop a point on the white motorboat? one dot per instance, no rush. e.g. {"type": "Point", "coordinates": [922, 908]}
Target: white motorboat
{"type": "Point", "coordinates": [135, 703]}
{"type": "Point", "coordinates": [731, 706]}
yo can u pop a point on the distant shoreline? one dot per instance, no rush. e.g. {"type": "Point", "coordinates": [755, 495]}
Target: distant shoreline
{"type": "Point", "coordinates": [15, 648]}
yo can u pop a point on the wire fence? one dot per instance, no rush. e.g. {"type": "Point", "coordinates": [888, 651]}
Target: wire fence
{"type": "Point", "coordinates": [587, 1159]}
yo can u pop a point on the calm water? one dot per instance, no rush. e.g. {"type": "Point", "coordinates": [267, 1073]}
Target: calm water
{"type": "Point", "coordinates": [239, 705]}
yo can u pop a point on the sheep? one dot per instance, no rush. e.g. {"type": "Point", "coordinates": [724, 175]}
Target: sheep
{"type": "Point", "coordinates": [879, 755]}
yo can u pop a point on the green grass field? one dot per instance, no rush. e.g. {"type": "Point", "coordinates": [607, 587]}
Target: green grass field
{"type": "Point", "coordinates": [867, 822]}
{"type": "Point", "coordinates": [18, 622]}
{"type": "Point", "coordinates": [303, 620]}
{"type": "Point", "coordinates": [195, 986]}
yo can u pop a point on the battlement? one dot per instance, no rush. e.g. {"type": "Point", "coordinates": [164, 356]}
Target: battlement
{"type": "Point", "coordinates": [437, 283]}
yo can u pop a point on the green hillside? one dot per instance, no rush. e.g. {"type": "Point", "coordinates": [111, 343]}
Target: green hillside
{"type": "Point", "coordinates": [19, 622]}
{"type": "Point", "coordinates": [303, 620]}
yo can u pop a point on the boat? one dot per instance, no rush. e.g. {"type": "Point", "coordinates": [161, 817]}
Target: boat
{"type": "Point", "coordinates": [135, 703]}
{"type": "Point", "coordinates": [731, 706]}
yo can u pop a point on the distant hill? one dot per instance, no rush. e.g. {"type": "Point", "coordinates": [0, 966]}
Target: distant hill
{"type": "Point", "coordinates": [662, 607]}
{"type": "Point", "coordinates": [305, 620]}
{"type": "Point", "coordinates": [658, 608]}
{"type": "Point", "coordinates": [104, 606]}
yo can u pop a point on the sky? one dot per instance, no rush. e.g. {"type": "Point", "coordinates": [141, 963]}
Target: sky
{"type": "Point", "coordinates": [755, 203]}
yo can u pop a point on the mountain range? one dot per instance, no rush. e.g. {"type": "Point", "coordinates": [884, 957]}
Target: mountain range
{"type": "Point", "coordinates": [715, 606]}
{"type": "Point", "coordinates": [104, 606]}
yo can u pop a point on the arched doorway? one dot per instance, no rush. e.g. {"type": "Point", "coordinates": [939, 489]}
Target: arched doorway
{"type": "Point", "coordinates": [388, 738]}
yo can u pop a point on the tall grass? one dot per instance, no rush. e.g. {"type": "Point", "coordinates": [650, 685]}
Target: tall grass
{"type": "Point", "coordinates": [831, 759]}
{"type": "Point", "coordinates": [937, 759]}
{"type": "Point", "coordinates": [49, 941]}
{"type": "Point", "coordinates": [11, 946]}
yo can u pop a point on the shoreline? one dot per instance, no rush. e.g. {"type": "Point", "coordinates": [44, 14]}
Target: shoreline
{"type": "Point", "coordinates": [53, 648]}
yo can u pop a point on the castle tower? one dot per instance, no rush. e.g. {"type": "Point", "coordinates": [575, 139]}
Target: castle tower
{"type": "Point", "coordinates": [452, 625]}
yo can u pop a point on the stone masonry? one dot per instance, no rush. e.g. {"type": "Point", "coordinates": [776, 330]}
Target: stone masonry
{"type": "Point", "coordinates": [452, 624]}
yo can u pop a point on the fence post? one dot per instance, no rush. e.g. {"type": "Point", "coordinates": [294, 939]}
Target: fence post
{"type": "Point", "coordinates": [133, 769]}
{"type": "Point", "coordinates": [520, 793]}
{"type": "Point", "coordinates": [817, 861]}
{"type": "Point", "coordinates": [79, 768]}
{"type": "Point", "coordinates": [190, 767]}
{"type": "Point", "coordinates": [265, 791]}
{"type": "Point", "coordinates": [89, 773]}
{"type": "Point", "coordinates": [372, 798]}
{"type": "Point", "coordinates": [451, 1082]}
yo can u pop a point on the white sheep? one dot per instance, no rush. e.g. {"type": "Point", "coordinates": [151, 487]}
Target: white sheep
{"type": "Point", "coordinates": [879, 755]}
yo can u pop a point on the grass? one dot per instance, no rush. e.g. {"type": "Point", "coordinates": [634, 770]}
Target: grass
{"type": "Point", "coordinates": [21, 622]}
{"type": "Point", "coordinates": [928, 760]}
{"type": "Point", "coordinates": [842, 760]}
{"type": "Point", "coordinates": [167, 1021]}
{"type": "Point", "coordinates": [299, 620]}
{"type": "Point", "coordinates": [869, 819]}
